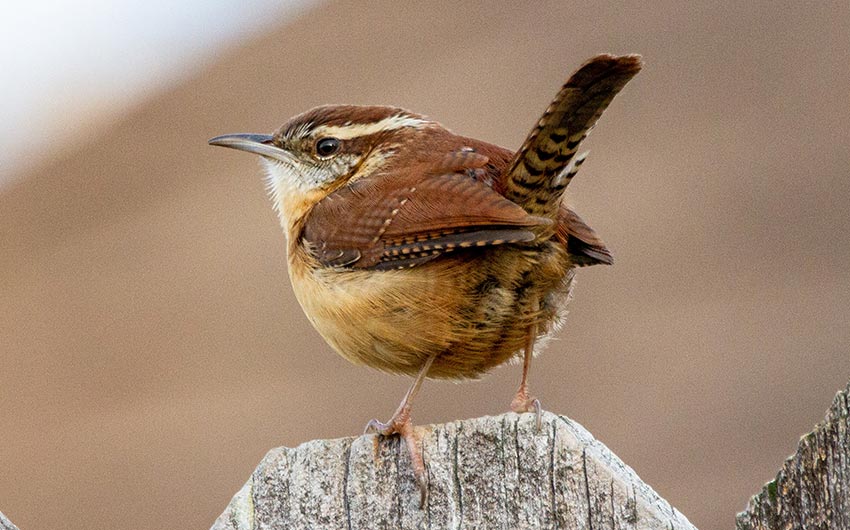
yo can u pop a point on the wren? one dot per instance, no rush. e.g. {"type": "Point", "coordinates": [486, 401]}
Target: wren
{"type": "Point", "coordinates": [414, 250]}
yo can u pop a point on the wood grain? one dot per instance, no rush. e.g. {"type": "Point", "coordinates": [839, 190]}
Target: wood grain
{"type": "Point", "coordinates": [812, 490]}
{"type": "Point", "coordinates": [490, 472]}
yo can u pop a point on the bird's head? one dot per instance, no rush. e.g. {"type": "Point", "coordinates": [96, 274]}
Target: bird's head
{"type": "Point", "coordinates": [316, 152]}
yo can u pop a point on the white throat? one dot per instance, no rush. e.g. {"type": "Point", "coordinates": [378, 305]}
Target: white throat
{"type": "Point", "coordinates": [287, 185]}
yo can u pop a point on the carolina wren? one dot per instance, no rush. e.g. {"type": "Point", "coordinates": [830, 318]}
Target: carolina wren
{"type": "Point", "coordinates": [415, 250]}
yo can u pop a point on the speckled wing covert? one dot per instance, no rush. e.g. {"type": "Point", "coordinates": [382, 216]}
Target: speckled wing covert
{"type": "Point", "coordinates": [540, 172]}
{"type": "Point", "coordinates": [403, 220]}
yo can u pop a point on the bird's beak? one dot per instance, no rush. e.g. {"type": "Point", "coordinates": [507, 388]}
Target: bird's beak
{"type": "Point", "coordinates": [260, 144]}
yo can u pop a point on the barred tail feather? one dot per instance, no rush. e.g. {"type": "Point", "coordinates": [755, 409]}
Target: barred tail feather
{"type": "Point", "coordinates": [542, 168]}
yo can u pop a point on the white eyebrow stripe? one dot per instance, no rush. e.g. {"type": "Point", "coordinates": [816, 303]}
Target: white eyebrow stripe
{"type": "Point", "coordinates": [356, 130]}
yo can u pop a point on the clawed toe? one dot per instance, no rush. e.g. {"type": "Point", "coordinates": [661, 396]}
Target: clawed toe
{"type": "Point", "coordinates": [423, 491]}
{"type": "Point", "coordinates": [378, 427]}
{"type": "Point", "coordinates": [400, 424]}
{"type": "Point", "coordinates": [538, 413]}
{"type": "Point", "coordinates": [522, 402]}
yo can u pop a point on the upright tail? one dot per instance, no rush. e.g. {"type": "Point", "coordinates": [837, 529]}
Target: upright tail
{"type": "Point", "coordinates": [543, 167]}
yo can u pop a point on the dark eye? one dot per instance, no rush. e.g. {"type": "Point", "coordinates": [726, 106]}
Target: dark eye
{"type": "Point", "coordinates": [327, 146]}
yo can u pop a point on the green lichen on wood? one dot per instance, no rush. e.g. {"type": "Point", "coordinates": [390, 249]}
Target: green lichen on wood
{"type": "Point", "coordinates": [770, 488]}
{"type": "Point", "coordinates": [812, 490]}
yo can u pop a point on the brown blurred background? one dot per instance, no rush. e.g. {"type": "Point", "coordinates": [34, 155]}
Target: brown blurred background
{"type": "Point", "coordinates": [151, 350]}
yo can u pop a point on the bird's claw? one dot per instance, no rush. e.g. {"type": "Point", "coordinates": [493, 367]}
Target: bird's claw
{"type": "Point", "coordinates": [378, 427]}
{"type": "Point", "coordinates": [400, 424]}
{"type": "Point", "coordinates": [522, 402]}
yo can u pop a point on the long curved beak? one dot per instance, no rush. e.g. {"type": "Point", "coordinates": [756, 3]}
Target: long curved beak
{"type": "Point", "coordinates": [260, 144]}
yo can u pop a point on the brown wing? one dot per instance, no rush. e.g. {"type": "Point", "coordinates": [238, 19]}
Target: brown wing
{"type": "Point", "coordinates": [584, 246]}
{"type": "Point", "coordinates": [403, 220]}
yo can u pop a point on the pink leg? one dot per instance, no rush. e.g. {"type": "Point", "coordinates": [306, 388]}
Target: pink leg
{"type": "Point", "coordinates": [523, 402]}
{"type": "Point", "coordinates": [400, 424]}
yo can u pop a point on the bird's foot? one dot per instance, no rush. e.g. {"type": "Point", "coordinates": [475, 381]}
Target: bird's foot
{"type": "Point", "coordinates": [523, 402]}
{"type": "Point", "coordinates": [393, 426]}
{"type": "Point", "coordinates": [400, 424]}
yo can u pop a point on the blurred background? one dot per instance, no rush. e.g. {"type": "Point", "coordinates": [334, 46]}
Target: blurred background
{"type": "Point", "coordinates": [151, 349]}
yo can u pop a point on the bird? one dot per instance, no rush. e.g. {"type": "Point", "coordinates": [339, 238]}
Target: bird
{"type": "Point", "coordinates": [414, 250]}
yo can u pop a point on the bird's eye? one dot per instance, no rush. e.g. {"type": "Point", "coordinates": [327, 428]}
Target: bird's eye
{"type": "Point", "coordinates": [327, 146]}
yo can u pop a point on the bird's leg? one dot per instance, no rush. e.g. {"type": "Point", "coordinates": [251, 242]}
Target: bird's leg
{"type": "Point", "coordinates": [400, 423]}
{"type": "Point", "coordinates": [402, 413]}
{"type": "Point", "coordinates": [523, 402]}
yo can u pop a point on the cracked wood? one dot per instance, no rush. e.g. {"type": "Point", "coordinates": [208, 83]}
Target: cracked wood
{"type": "Point", "coordinates": [812, 490]}
{"type": "Point", "coordinates": [491, 472]}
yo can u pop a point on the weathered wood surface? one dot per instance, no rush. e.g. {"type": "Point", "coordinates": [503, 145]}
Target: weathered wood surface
{"type": "Point", "coordinates": [491, 472]}
{"type": "Point", "coordinates": [812, 490]}
{"type": "Point", "coordinates": [6, 524]}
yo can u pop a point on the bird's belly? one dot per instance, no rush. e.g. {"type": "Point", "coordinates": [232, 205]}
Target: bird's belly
{"type": "Point", "coordinates": [473, 313]}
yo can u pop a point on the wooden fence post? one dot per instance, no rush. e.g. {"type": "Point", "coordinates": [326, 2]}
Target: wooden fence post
{"type": "Point", "coordinates": [6, 524]}
{"type": "Point", "coordinates": [812, 490]}
{"type": "Point", "coordinates": [491, 472]}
